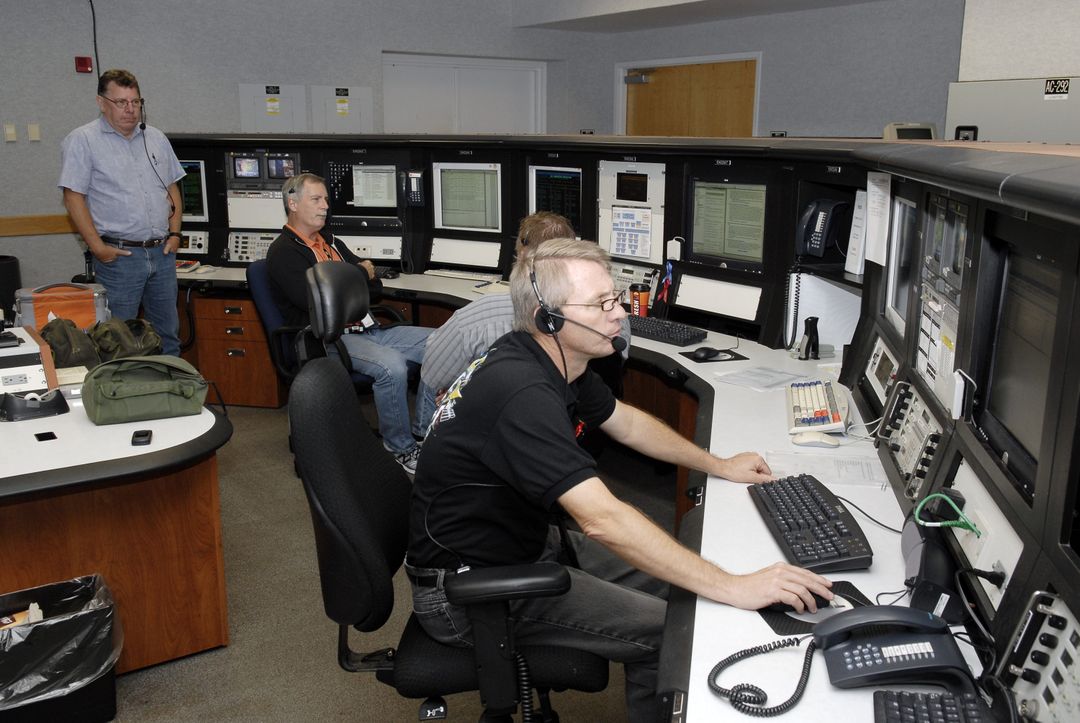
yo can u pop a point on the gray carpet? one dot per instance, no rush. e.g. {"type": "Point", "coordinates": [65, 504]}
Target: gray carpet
{"type": "Point", "coordinates": [280, 664]}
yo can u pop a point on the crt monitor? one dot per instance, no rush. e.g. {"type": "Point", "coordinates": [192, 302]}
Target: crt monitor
{"type": "Point", "coordinates": [558, 190]}
{"type": "Point", "coordinates": [468, 196]}
{"type": "Point", "coordinates": [727, 223]}
{"type": "Point", "coordinates": [1020, 312]}
{"type": "Point", "coordinates": [193, 191]}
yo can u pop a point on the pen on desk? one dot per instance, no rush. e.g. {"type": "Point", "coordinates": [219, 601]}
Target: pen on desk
{"type": "Point", "coordinates": [482, 284]}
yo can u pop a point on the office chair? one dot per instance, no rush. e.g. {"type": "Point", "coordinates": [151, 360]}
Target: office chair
{"type": "Point", "coordinates": [280, 337]}
{"type": "Point", "coordinates": [359, 501]}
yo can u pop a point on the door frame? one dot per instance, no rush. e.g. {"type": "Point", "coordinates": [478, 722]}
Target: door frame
{"type": "Point", "coordinates": [537, 68]}
{"type": "Point", "coordinates": [621, 68]}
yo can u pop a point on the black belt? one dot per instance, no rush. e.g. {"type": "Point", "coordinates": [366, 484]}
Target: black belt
{"type": "Point", "coordinates": [428, 580]}
{"type": "Point", "coordinates": [121, 243]}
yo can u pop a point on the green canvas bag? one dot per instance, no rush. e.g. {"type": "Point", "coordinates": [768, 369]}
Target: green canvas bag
{"type": "Point", "coordinates": [137, 388]}
{"type": "Point", "coordinates": [118, 338]}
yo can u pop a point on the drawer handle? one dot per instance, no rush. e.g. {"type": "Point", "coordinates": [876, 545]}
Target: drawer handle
{"type": "Point", "coordinates": [235, 352]}
{"type": "Point", "coordinates": [234, 330]}
{"type": "Point", "coordinates": [234, 310]}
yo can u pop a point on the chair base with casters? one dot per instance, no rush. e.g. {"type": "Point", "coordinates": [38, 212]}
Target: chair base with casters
{"type": "Point", "coordinates": [359, 502]}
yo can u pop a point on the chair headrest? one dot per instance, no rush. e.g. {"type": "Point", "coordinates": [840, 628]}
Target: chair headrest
{"type": "Point", "coordinates": [337, 295]}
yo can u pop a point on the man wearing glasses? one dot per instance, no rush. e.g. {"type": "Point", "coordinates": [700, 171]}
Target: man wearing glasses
{"type": "Point", "coordinates": [119, 180]}
{"type": "Point", "coordinates": [502, 456]}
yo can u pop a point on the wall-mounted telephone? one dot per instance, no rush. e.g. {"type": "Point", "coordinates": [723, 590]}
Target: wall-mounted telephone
{"type": "Point", "coordinates": [894, 644]}
{"type": "Point", "coordinates": [819, 226]}
{"type": "Point", "coordinates": [414, 188]}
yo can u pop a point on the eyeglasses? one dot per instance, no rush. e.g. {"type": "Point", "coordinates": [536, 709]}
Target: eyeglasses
{"type": "Point", "coordinates": [606, 304]}
{"type": "Point", "coordinates": [125, 104]}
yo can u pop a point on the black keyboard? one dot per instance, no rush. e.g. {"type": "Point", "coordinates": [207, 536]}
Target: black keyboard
{"type": "Point", "coordinates": [386, 272]}
{"type": "Point", "coordinates": [811, 526]}
{"type": "Point", "coordinates": [894, 706]}
{"type": "Point", "coordinates": [663, 330]}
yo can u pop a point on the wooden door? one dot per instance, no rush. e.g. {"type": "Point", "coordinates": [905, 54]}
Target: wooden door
{"type": "Point", "coordinates": [707, 99]}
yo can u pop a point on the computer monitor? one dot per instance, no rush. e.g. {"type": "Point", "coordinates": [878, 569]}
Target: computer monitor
{"type": "Point", "coordinates": [468, 196]}
{"type": "Point", "coordinates": [902, 262]}
{"type": "Point", "coordinates": [246, 167]}
{"type": "Point", "coordinates": [727, 223]}
{"type": "Point", "coordinates": [193, 191]}
{"type": "Point", "coordinates": [556, 189]}
{"type": "Point", "coordinates": [280, 166]}
{"type": "Point", "coordinates": [1014, 355]}
{"type": "Point", "coordinates": [361, 189]}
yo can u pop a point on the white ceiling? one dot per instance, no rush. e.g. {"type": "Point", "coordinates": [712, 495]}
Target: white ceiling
{"type": "Point", "coordinates": [605, 16]}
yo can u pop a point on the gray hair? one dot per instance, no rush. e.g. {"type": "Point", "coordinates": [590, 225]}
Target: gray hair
{"type": "Point", "coordinates": [295, 185]}
{"type": "Point", "coordinates": [548, 261]}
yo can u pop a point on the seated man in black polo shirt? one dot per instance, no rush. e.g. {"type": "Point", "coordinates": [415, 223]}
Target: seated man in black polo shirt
{"type": "Point", "coordinates": [502, 455]}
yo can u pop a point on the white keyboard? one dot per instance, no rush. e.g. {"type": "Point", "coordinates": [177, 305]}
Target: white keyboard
{"type": "Point", "coordinates": [471, 275]}
{"type": "Point", "coordinates": [816, 405]}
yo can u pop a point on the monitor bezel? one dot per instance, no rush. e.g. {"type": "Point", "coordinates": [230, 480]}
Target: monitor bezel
{"type": "Point", "coordinates": [436, 191]}
{"type": "Point", "coordinates": [195, 217]}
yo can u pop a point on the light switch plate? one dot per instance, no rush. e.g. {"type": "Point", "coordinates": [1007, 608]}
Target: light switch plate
{"type": "Point", "coordinates": [9, 133]}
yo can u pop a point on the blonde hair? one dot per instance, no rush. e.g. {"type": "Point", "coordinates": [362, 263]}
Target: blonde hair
{"type": "Point", "coordinates": [547, 264]}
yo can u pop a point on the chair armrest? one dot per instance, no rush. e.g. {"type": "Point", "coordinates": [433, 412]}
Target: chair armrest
{"type": "Point", "coordinates": [507, 582]}
{"type": "Point", "coordinates": [381, 311]}
{"type": "Point", "coordinates": [282, 353]}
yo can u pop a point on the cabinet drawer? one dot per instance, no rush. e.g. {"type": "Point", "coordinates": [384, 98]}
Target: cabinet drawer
{"type": "Point", "coordinates": [211, 308]}
{"type": "Point", "coordinates": [240, 329]}
{"type": "Point", "coordinates": [242, 371]}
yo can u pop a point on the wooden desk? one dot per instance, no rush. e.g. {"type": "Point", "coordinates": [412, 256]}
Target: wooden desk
{"type": "Point", "coordinates": [146, 518]}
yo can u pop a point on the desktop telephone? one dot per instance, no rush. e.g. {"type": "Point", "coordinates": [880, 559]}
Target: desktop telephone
{"type": "Point", "coordinates": [870, 645]}
{"type": "Point", "coordinates": [819, 226]}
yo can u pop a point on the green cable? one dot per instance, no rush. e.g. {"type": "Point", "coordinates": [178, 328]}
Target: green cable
{"type": "Point", "coordinates": [962, 520]}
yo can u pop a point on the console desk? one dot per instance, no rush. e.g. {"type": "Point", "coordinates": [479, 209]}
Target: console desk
{"type": "Point", "coordinates": [77, 499]}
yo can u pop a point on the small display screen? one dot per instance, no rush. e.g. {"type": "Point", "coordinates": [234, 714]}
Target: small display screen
{"type": "Point", "coordinates": [280, 167]}
{"type": "Point", "coordinates": [244, 167]}
{"type": "Point", "coordinates": [632, 187]}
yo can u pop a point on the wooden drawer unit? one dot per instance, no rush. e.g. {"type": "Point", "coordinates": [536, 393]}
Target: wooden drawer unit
{"type": "Point", "coordinates": [233, 352]}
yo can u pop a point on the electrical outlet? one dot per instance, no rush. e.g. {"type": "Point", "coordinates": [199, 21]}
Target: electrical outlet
{"type": "Point", "coordinates": [971, 543]}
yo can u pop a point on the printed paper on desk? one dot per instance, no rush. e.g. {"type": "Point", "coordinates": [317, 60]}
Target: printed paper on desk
{"type": "Point", "coordinates": [760, 379]}
{"type": "Point", "coordinates": [828, 468]}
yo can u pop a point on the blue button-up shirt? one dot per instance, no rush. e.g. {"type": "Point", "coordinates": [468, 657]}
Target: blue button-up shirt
{"type": "Point", "coordinates": [123, 179]}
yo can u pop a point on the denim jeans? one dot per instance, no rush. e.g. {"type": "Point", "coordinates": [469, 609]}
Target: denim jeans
{"type": "Point", "coordinates": [611, 609]}
{"type": "Point", "coordinates": [425, 405]}
{"type": "Point", "coordinates": [146, 277]}
{"type": "Point", "coordinates": [383, 354]}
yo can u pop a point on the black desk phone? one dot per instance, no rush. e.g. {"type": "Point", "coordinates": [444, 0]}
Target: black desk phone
{"type": "Point", "coordinates": [870, 645]}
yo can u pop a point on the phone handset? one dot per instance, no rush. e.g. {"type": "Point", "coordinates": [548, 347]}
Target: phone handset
{"type": "Point", "coordinates": [414, 188]}
{"type": "Point", "coordinates": [819, 226]}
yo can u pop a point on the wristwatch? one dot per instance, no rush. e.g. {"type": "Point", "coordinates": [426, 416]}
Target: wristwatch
{"type": "Point", "coordinates": [177, 234]}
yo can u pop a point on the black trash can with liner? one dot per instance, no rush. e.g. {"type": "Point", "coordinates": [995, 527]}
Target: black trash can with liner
{"type": "Point", "coordinates": [62, 667]}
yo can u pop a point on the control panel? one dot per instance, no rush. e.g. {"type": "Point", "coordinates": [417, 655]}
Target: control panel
{"type": "Point", "coordinates": [1041, 667]}
{"type": "Point", "coordinates": [194, 242]}
{"type": "Point", "coordinates": [911, 434]}
{"type": "Point", "coordinates": [248, 246]}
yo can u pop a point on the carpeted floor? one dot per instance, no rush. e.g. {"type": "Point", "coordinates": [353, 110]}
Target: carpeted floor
{"type": "Point", "coordinates": [280, 664]}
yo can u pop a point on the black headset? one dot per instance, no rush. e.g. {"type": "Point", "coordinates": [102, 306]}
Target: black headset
{"type": "Point", "coordinates": [548, 320]}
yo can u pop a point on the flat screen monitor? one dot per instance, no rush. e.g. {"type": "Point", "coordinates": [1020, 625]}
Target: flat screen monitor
{"type": "Point", "coordinates": [1018, 386]}
{"type": "Point", "coordinates": [468, 196]}
{"type": "Point", "coordinates": [558, 190]}
{"type": "Point", "coordinates": [902, 267]}
{"type": "Point", "coordinates": [193, 191]}
{"type": "Point", "coordinates": [632, 187]}
{"type": "Point", "coordinates": [727, 225]}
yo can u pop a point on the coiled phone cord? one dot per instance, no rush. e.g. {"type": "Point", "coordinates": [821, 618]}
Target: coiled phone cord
{"type": "Point", "coordinates": [749, 699]}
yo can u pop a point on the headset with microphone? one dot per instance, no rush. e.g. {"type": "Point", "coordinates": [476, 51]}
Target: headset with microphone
{"type": "Point", "coordinates": [549, 320]}
{"type": "Point", "coordinates": [142, 115]}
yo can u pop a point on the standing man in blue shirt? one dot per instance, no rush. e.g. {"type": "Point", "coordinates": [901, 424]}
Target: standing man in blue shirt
{"type": "Point", "coordinates": [119, 177]}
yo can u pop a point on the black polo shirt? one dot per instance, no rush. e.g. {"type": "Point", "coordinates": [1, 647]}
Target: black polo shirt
{"type": "Point", "coordinates": [502, 452]}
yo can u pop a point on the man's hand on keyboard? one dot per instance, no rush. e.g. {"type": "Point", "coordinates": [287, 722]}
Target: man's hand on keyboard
{"type": "Point", "coordinates": [746, 467]}
{"type": "Point", "coordinates": [778, 583]}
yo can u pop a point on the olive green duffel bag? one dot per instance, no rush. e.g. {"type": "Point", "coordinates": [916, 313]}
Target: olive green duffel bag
{"type": "Point", "coordinates": [143, 387]}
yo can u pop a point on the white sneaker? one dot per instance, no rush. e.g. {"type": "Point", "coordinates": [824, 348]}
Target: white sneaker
{"type": "Point", "coordinates": [408, 459]}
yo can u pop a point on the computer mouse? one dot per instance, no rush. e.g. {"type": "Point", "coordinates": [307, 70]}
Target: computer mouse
{"type": "Point", "coordinates": [815, 439]}
{"type": "Point", "coordinates": [390, 274]}
{"type": "Point", "coordinates": [780, 607]}
{"type": "Point", "coordinates": [705, 353]}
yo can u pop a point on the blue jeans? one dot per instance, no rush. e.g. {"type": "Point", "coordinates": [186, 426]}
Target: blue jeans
{"type": "Point", "coordinates": [146, 277]}
{"type": "Point", "coordinates": [383, 354]}
{"type": "Point", "coordinates": [612, 610]}
{"type": "Point", "coordinates": [425, 400]}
